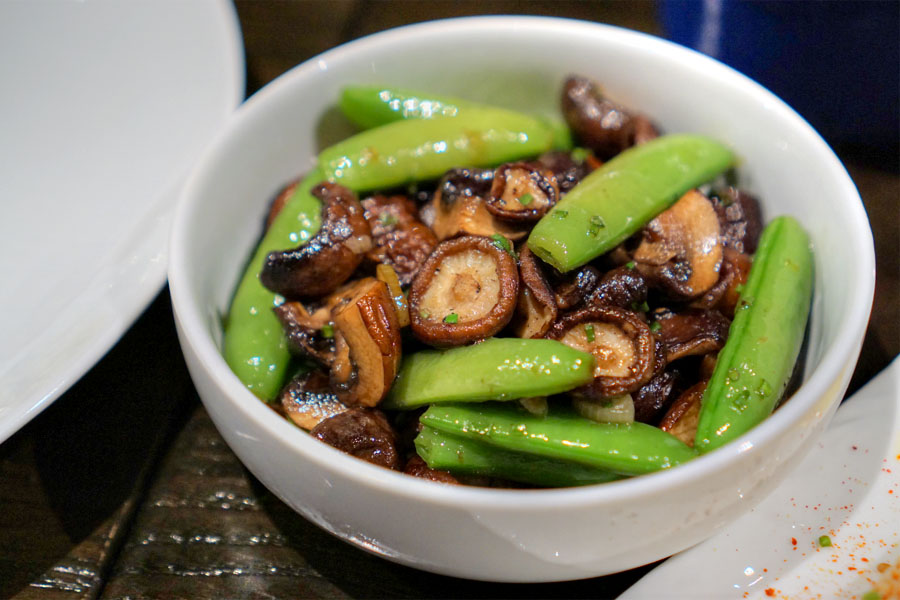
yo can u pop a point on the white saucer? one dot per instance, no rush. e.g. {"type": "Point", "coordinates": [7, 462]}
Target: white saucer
{"type": "Point", "coordinates": [847, 488]}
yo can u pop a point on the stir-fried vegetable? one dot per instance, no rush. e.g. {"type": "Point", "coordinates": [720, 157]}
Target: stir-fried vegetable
{"type": "Point", "coordinates": [535, 316]}
{"type": "Point", "coordinates": [765, 338]}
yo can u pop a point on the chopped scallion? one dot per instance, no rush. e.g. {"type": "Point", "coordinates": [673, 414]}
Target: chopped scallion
{"type": "Point", "coordinates": [328, 331]}
{"type": "Point", "coordinates": [451, 319]}
{"type": "Point", "coordinates": [589, 332]}
{"type": "Point", "coordinates": [526, 199]}
{"type": "Point", "coordinates": [824, 541]}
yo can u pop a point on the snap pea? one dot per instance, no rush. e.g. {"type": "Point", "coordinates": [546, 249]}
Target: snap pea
{"type": "Point", "coordinates": [462, 456]}
{"type": "Point", "coordinates": [255, 345]}
{"type": "Point", "coordinates": [415, 150]}
{"type": "Point", "coordinates": [620, 197]}
{"type": "Point", "coordinates": [765, 337]}
{"type": "Point", "coordinates": [495, 369]}
{"type": "Point", "coordinates": [626, 449]}
{"type": "Point", "coordinates": [370, 106]}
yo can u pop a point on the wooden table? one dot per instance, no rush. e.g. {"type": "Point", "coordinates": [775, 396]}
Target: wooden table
{"type": "Point", "coordinates": [124, 489]}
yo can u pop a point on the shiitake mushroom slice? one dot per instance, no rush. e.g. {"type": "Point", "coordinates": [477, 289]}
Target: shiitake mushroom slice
{"type": "Point", "coordinates": [680, 251]}
{"type": "Point", "coordinates": [466, 291]}
{"type": "Point", "coordinates": [536, 308]}
{"type": "Point", "coordinates": [522, 192]}
{"type": "Point", "coordinates": [322, 264]}
{"type": "Point", "coordinates": [600, 124]}
{"type": "Point", "coordinates": [620, 341]}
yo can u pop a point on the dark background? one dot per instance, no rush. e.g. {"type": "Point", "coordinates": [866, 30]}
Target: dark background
{"type": "Point", "coordinates": [123, 488]}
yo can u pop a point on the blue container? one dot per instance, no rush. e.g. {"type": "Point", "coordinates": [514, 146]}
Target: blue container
{"type": "Point", "coordinates": [837, 63]}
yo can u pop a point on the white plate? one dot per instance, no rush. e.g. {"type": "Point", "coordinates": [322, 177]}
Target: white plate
{"type": "Point", "coordinates": [105, 105]}
{"type": "Point", "coordinates": [848, 489]}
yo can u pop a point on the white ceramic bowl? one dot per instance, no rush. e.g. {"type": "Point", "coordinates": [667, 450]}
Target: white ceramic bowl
{"type": "Point", "coordinates": [516, 535]}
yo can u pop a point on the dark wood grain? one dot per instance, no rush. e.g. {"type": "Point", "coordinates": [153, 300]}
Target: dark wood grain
{"type": "Point", "coordinates": [123, 488]}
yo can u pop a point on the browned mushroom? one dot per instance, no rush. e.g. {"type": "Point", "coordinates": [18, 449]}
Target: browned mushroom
{"type": "Point", "coordinates": [307, 334]}
{"type": "Point", "coordinates": [328, 259]}
{"type": "Point", "coordinates": [621, 343]}
{"type": "Point", "coordinates": [458, 207]}
{"type": "Point", "coordinates": [536, 308]}
{"type": "Point", "coordinates": [741, 219]}
{"type": "Point", "coordinates": [466, 291]}
{"type": "Point", "coordinates": [680, 250]}
{"type": "Point", "coordinates": [684, 414]}
{"type": "Point", "coordinates": [623, 286]}
{"type": "Point", "coordinates": [724, 295]}
{"type": "Point", "coordinates": [600, 124]}
{"type": "Point", "coordinates": [522, 192]}
{"type": "Point", "coordinates": [361, 432]}
{"type": "Point", "coordinates": [573, 288]}
{"type": "Point", "coordinates": [691, 332]}
{"type": "Point", "coordinates": [307, 400]}
{"type": "Point", "coordinates": [652, 399]}
{"type": "Point", "coordinates": [366, 343]}
{"type": "Point", "coordinates": [400, 239]}
{"type": "Point", "coordinates": [567, 170]}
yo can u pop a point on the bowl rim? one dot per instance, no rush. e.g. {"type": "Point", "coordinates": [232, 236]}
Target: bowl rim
{"type": "Point", "coordinates": [831, 369]}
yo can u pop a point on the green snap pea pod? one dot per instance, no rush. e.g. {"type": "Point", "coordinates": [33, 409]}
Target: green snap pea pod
{"type": "Point", "coordinates": [463, 456]}
{"type": "Point", "coordinates": [495, 369]}
{"type": "Point", "coordinates": [255, 345]}
{"type": "Point", "coordinates": [415, 150]}
{"type": "Point", "coordinates": [754, 366]}
{"type": "Point", "coordinates": [616, 200]}
{"type": "Point", "coordinates": [370, 106]}
{"type": "Point", "coordinates": [623, 448]}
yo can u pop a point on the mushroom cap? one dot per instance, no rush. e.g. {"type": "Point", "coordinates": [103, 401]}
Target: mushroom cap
{"type": "Point", "coordinates": [367, 343]}
{"type": "Point", "coordinates": [466, 291]}
{"type": "Point", "coordinates": [536, 308]}
{"type": "Point", "coordinates": [681, 250]}
{"type": "Point", "coordinates": [327, 260]}
{"type": "Point", "coordinates": [620, 341]}
{"type": "Point", "coordinates": [458, 207]}
{"type": "Point", "coordinates": [522, 192]}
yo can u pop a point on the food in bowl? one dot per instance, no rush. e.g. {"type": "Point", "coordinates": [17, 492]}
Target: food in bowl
{"type": "Point", "coordinates": [569, 310]}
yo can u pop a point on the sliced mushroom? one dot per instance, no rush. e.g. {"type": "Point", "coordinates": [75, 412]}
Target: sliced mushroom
{"type": "Point", "coordinates": [567, 170]}
{"type": "Point", "coordinates": [536, 308]}
{"type": "Point", "coordinates": [621, 343]}
{"type": "Point", "coordinates": [522, 192]}
{"type": "Point", "coordinates": [366, 343]}
{"type": "Point", "coordinates": [652, 399]}
{"type": "Point", "coordinates": [330, 257]}
{"type": "Point", "coordinates": [623, 286]}
{"type": "Point", "coordinates": [691, 332]}
{"type": "Point", "coordinates": [400, 239]}
{"type": "Point", "coordinates": [600, 124]}
{"type": "Point", "coordinates": [574, 288]}
{"type": "Point", "coordinates": [466, 291]}
{"type": "Point", "coordinates": [307, 400]}
{"type": "Point", "coordinates": [459, 208]}
{"type": "Point", "coordinates": [741, 219]}
{"type": "Point", "coordinates": [680, 250]}
{"type": "Point", "coordinates": [725, 294]}
{"type": "Point", "coordinates": [361, 432]}
{"type": "Point", "coordinates": [682, 418]}
{"type": "Point", "coordinates": [307, 334]}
